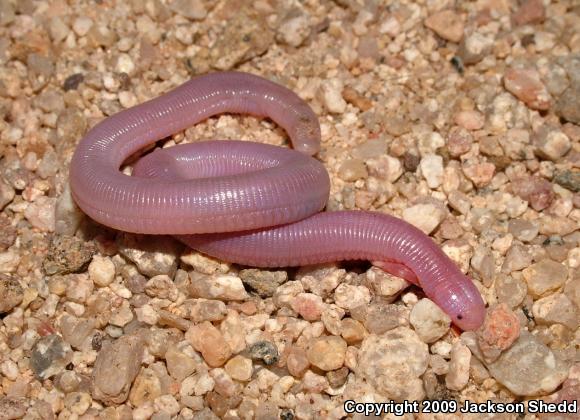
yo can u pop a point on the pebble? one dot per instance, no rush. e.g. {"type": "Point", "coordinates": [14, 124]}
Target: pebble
{"type": "Point", "coordinates": [200, 310]}
{"type": "Point", "coordinates": [384, 284]}
{"type": "Point", "coordinates": [352, 170]}
{"type": "Point", "coordinates": [458, 375]}
{"type": "Point", "coordinates": [297, 362]}
{"type": "Point", "coordinates": [509, 290]}
{"type": "Point", "coordinates": [348, 296]}
{"type": "Point", "coordinates": [73, 81]}
{"type": "Point", "coordinates": [500, 329]}
{"type": "Point", "coordinates": [49, 357]}
{"type": "Point", "coordinates": [67, 254]}
{"type": "Point", "coordinates": [475, 48]}
{"type": "Point", "coordinates": [210, 342]}
{"type": "Point", "coordinates": [551, 143]}
{"type": "Point", "coordinates": [76, 331]}
{"type": "Point", "coordinates": [331, 95]}
{"type": "Point", "coordinates": [447, 24]}
{"type": "Point", "coordinates": [529, 12]}
{"type": "Point", "coordinates": [79, 287]}
{"type": "Point", "coordinates": [527, 368]}
{"type": "Point", "coordinates": [78, 402]}
{"type": "Point", "coordinates": [41, 213]}
{"type": "Point", "coordinates": [327, 352]}
{"type": "Point", "coordinates": [537, 191]}
{"type": "Point", "coordinates": [432, 170]}
{"type": "Point", "coordinates": [556, 309]}
{"type": "Point", "coordinates": [352, 331]}
{"type": "Point", "coordinates": [545, 277]}
{"type": "Point", "coordinates": [393, 362]}
{"type": "Point", "coordinates": [146, 388]}
{"type": "Point", "coordinates": [568, 106]}
{"type": "Point", "coordinates": [82, 25]}
{"type": "Point", "coordinates": [517, 258]}
{"type": "Point", "coordinates": [526, 85]}
{"type": "Point", "coordinates": [203, 263]}
{"type": "Point", "coordinates": [191, 9]}
{"type": "Point", "coordinates": [294, 28]}
{"type": "Point", "coordinates": [11, 293]}
{"type": "Point", "coordinates": [7, 194]}
{"type": "Point", "coordinates": [429, 321]}
{"type": "Point", "coordinates": [239, 368]}
{"type": "Point", "coordinates": [459, 141]}
{"type": "Point", "coordinates": [12, 407]}
{"type": "Point", "coordinates": [222, 287]}
{"type": "Point", "coordinates": [424, 216]}
{"type": "Point", "coordinates": [480, 174]}
{"type": "Point", "coordinates": [263, 282]}
{"type": "Point", "coordinates": [470, 120]}
{"type": "Point", "coordinates": [153, 255]}
{"type": "Point", "coordinates": [566, 178]}
{"type": "Point", "coordinates": [483, 262]}
{"type": "Point", "coordinates": [337, 378]}
{"type": "Point", "coordinates": [385, 167]}
{"type": "Point", "coordinates": [180, 364]}
{"type": "Point", "coordinates": [162, 287]}
{"type": "Point", "coordinates": [523, 230]}
{"type": "Point", "coordinates": [166, 405]}
{"type": "Point", "coordinates": [115, 368]}
{"type": "Point", "coordinates": [308, 305]}
{"type": "Point", "coordinates": [246, 36]}
{"type": "Point", "coordinates": [101, 271]}
{"type": "Point", "coordinates": [264, 351]}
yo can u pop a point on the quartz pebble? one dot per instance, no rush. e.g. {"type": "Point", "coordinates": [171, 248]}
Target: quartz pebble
{"type": "Point", "coordinates": [447, 24]}
{"type": "Point", "coordinates": [209, 341]}
{"type": "Point", "coordinates": [327, 353]}
{"type": "Point", "coordinates": [309, 306]}
{"type": "Point", "coordinates": [393, 363]}
{"type": "Point", "coordinates": [41, 214]}
{"type": "Point", "coordinates": [222, 287]}
{"type": "Point", "coordinates": [424, 216]}
{"type": "Point", "coordinates": [529, 12]}
{"type": "Point", "coordinates": [556, 309]}
{"type": "Point", "coordinates": [432, 169]}
{"type": "Point", "coordinates": [152, 255]}
{"type": "Point", "coordinates": [430, 322]}
{"type": "Point", "coordinates": [538, 191]}
{"type": "Point", "coordinates": [239, 368]}
{"type": "Point", "coordinates": [551, 143]}
{"type": "Point", "coordinates": [191, 9]}
{"type": "Point", "coordinates": [49, 357]}
{"type": "Point", "coordinates": [101, 271]}
{"type": "Point", "coordinates": [526, 85]}
{"type": "Point", "coordinates": [352, 169]}
{"type": "Point", "coordinates": [331, 94]}
{"type": "Point", "coordinates": [472, 50]}
{"type": "Point", "coordinates": [567, 105]}
{"type": "Point", "coordinates": [458, 375]}
{"type": "Point", "coordinates": [545, 277]}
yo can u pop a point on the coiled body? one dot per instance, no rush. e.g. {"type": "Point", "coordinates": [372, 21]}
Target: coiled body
{"type": "Point", "coordinates": [246, 202]}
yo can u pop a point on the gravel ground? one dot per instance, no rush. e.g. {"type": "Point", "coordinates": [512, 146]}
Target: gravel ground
{"type": "Point", "coordinates": [463, 118]}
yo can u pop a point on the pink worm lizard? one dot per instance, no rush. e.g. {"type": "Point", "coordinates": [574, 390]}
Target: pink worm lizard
{"type": "Point", "coordinates": [246, 202]}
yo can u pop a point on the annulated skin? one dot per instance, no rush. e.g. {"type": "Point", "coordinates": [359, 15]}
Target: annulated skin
{"type": "Point", "coordinates": [252, 203]}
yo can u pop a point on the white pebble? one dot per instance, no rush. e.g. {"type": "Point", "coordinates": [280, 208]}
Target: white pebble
{"type": "Point", "coordinates": [101, 271]}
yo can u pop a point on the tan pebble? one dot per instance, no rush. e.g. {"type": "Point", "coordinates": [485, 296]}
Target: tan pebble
{"type": "Point", "coordinates": [239, 368]}
{"type": "Point", "coordinates": [208, 340]}
{"type": "Point", "coordinates": [327, 353]}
